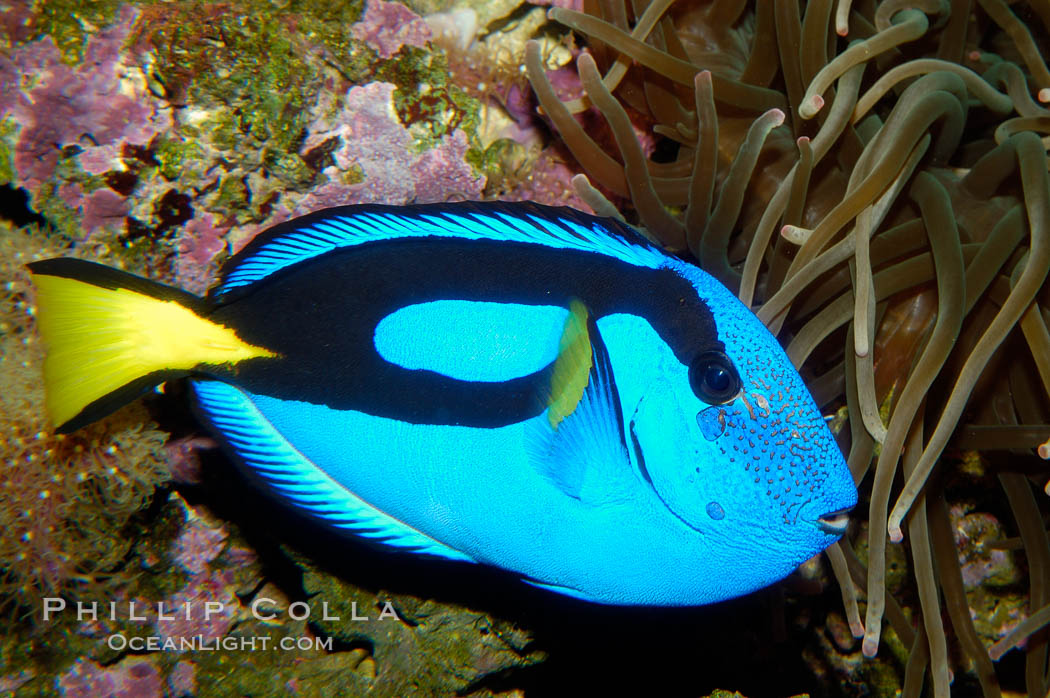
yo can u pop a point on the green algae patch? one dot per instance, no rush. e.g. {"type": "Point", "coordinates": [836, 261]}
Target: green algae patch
{"type": "Point", "coordinates": [501, 160]}
{"type": "Point", "coordinates": [897, 564]}
{"type": "Point", "coordinates": [65, 218]}
{"type": "Point", "coordinates": [249, 79]}
{"type": "Point", "coordinates": [426, 100]}
{"type": "Point", "coordinates": [328, 24]}
{"type": "Point", "coordinates": [177, 157]}
{"type": "Point", "coordinates": [231, 195]}
{"type": "Point", "coordinates": [69, 23]}
{"type": "Point", "coordinates": [8, 131]}
{"type": "Point", "coordinates": [882, 675]}
{"type": "Point", "coordinates": [155, 536]}
{"type": "Point", "coordinates": [417, 646]}
{"type": "Point", "coordinates": [42, 650]}
{"type": "Point", "coordinates": [61, 218]}
{"type": "Point", "coordinates": [292, 659]}
{"type": "Point", "coordinates": [251, 66]}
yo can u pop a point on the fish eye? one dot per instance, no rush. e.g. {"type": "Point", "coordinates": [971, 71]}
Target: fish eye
{"type": "Point", "coordinates": [713, 378]}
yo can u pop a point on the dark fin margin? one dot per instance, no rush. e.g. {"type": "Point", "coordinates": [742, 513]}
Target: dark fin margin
{"type": "Point", "coordinates": [107, 277]}
{"type": "Point", "coordinates": [111, 402]}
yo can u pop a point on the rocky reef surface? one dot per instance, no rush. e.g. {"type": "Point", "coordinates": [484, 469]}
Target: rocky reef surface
{"type": "Point", "coordinates": [160, 138]}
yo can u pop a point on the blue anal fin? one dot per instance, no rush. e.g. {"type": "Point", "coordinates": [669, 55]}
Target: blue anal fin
{"type": "Point", "coordinates": [268, 455]}
{"type": "Point", "coordinates": [564, 591]}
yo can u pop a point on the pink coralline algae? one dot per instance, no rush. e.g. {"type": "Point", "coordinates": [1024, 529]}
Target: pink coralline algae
{"type": "Point", "coordinates": [981, 563]}
{"type": "Point", "coordinates": [520, 103]}
{"type": "Point", "coordinates": [99, 159]}
{"type": "Point", "coordinates": [183, 455]}
{"type": "Point", "coordinates": [373, 146]}
{"type": "Point", "coordinates": [567, 4]}
{"type": "Point", "coordinates": [201, 240]}
{"type": "Point", "coordinates": [205, 610]}
{"type": "Point", "coordinates": [12, 682]}
{"type": "Point", "coordinates": [441, 173]}
{"type": "Point", "coordinates": [98, 107]}
{"type": "Point", "coordinates": [548, 182]}
{"type": "Point", "coordinates": [198, 544]}
{"type": "Point", "coordinates": [99, 208]}
{"type": "Point", "coordinates": [185, 614]}
{"type": "Point", "coordinates": [387, 26]}
{"type": "Point", "coordinates": [378, 149]}
{"type": "Point", "coordinates": [134, 677]}
{"type": "Point", "coordinates": [237, 557]}
{"type": "Point", "coordinates": [182, 681]}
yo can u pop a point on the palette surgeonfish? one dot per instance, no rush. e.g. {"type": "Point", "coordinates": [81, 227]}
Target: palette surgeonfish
{"type": "Point", "coordinates": [514, 385]}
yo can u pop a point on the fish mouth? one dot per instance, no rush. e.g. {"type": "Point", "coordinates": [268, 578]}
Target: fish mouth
{"type": "Point", "coordinates": [834, 523]}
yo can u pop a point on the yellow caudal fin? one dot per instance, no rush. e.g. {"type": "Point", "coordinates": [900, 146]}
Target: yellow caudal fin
{"type": "Point", "coordinates": [111, 336]}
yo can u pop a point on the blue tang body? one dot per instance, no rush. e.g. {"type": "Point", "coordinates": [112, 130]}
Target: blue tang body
{"type": "Point", "coordinates": [431, 433]}
{"type": "Point", "coordinates": [515, 385]}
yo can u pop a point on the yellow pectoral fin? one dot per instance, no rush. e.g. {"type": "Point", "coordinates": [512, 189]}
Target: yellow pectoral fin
{"type": "Point", "coordinates": [100, 339]}
{"type": "Point", "coordinates": [572, 368]}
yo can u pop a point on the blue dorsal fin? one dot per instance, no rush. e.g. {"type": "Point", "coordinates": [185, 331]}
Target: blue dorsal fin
{"type": "Point", "coordinates": [323, 231]}
{"type": "Point", "coordinates": [583, 453]}
{"type": "Point", "coordinates": [288, 473]}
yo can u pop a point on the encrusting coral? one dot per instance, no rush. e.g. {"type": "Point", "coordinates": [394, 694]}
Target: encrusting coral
{"type": "Point", "coordinates": [898, 150]}
{"type": "Point", "coordinates": [68, 128]}
{"type": "Point", "coordinates": [65, 500]}
{"type": "Point", "coordinates": [186, 128]}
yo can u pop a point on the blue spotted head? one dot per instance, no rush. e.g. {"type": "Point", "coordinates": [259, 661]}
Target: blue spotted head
{"type": "Point", "coordinates": [722, 426]}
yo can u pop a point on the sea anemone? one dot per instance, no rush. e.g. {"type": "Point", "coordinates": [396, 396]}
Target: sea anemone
{"type": "Point", "coordinates": [908, 280]}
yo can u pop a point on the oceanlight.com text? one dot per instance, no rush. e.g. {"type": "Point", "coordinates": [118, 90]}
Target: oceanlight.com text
{"type": "Point", "coordinates": [153, 643]}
